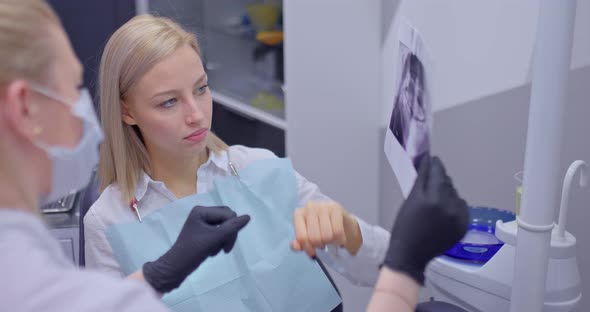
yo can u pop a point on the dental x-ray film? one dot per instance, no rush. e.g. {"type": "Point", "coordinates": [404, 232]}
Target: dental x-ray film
{"type": "Point", "coordinates": [407, 140]}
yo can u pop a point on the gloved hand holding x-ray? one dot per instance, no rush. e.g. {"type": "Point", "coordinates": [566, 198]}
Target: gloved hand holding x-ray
{"type": "Point", "coordinates": [431, 220]}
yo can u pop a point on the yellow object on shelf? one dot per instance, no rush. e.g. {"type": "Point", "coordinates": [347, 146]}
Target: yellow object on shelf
{"type": "Point", "coordinates": [270, 37]}
{"type": "Point", "coordinates": [264, 17]}
{"type": "Point", "coordinates": [267, 102]}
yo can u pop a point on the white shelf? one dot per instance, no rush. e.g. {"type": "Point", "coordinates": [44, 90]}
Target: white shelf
{"type": "Point", "coordinates": [248, 110]}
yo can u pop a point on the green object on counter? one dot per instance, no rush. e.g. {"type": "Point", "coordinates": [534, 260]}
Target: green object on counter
{"type": "Point", "coordinates": [267, 102]}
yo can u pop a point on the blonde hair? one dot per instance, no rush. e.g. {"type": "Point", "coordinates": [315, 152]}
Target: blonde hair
{"type": "Point", "coordinates": [24, 40]}
{"type": "Point", "coordinates": [128, 55]}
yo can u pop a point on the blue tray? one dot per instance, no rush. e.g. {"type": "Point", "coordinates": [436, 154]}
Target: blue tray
{"type": "Point", "coordinates": [480, 243]}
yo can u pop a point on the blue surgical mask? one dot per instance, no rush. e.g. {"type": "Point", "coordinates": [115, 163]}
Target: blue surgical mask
{"type": "Point", "coordinates": [73, 167]}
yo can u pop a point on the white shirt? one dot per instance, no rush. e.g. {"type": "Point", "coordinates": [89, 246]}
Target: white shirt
{"type": "Point", "coordinates": [35, 275]}
{"type": "Point", "coordinates": [362, 269]}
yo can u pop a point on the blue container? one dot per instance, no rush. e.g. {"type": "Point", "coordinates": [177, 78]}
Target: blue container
{"type": "Point", "coordinates": [480, 243]}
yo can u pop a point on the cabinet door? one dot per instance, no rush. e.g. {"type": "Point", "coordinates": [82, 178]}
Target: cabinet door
{"type": "Point", "coordinates": [68, 239]}
{"type": "Point", "coordinates": [236, 128]}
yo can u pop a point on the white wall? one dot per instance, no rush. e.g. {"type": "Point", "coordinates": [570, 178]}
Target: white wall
{"type": "Point", "coordinates": [339, 75]}
{"type": "Point", "coordinates": [479, 47]}
{"type": "Point", "coordinates": [332, 66]}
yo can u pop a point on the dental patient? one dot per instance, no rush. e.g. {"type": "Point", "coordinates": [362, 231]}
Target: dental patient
{"type": "Point", "coordinates": [159, 153]}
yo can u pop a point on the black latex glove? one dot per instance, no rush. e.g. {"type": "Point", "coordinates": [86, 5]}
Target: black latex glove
{"type": "Point", "coordinates": [206, 231]}
{"type": "Point", "coordinates": [431, 220]}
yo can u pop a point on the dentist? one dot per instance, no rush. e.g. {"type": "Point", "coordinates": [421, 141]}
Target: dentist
{"type": "Point", "coordinates": [49, 138]}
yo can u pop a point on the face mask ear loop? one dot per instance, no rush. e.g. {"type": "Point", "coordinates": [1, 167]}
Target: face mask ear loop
{"type": "Point", "coordinates": [50, 94]}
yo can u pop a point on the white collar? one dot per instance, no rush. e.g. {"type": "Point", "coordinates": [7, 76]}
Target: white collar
{"type": "Point", "coordinates": [218, 160]}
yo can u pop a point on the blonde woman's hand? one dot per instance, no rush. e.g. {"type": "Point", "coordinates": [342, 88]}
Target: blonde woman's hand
{"type": "Point", "coordinates": [319, 224]}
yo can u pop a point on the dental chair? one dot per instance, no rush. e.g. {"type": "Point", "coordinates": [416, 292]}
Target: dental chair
{"type": "Point", "coordinates": [91, 194]}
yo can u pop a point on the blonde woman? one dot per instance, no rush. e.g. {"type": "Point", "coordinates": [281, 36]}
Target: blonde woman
{"type": "Point", "coordinates": [156, 111]}
{"type": "Point", "coordinates": [49, 137]}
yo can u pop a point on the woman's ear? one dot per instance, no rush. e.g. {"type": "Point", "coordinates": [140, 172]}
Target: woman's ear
{"type": "Point", "coordinates": [18, 113]}
{"type": "Point", "coordinates": [126, 115]}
